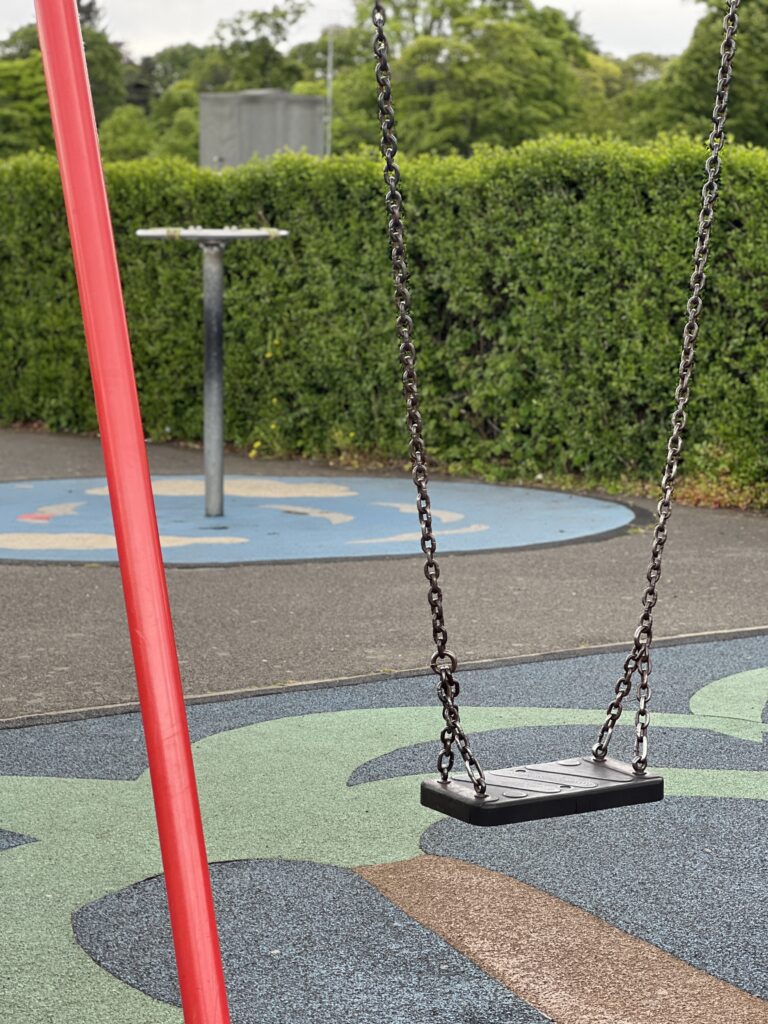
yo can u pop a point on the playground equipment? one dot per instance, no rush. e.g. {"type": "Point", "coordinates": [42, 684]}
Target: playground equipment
{"type": "Point", "coordinates": [578, 784]}
{"type": "Point", "coordinates": [213, 242]}
{"type": "Point", "coordinates": [190, 902]}
{"type": "Point", "coordinates": [573, 785]}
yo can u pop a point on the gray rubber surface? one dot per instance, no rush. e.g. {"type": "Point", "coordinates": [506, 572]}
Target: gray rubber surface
{"type": "Point", "coordinates": [686, 875]}
{"type": "Point", "coordinates": [10, 839]}
{"type": "Point", "coordinates": [112, 747]}
{"type": "Point", "coordinates": [674, 748]}
{"type": "Point", "coordinates": [302, 942]}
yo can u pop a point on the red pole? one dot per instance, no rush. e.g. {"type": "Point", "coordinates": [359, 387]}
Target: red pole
{"type": "Point", "coordinates": [187, 878]}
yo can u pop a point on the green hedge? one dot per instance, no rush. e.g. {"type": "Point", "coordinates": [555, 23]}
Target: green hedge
{"type": "Point", "coordinates": [549, 286]}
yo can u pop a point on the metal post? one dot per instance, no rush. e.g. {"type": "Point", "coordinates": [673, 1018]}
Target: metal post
{"type": "Point", "coordinates": [213, 377]}
{"type": "Point", "coordinates": [213, 242]}
{"type": "Point", "coordinates": [187, 880]}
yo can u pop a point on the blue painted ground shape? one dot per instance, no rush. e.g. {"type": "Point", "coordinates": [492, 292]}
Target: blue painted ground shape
{"type": "Point", "coordinates": [298, 518]}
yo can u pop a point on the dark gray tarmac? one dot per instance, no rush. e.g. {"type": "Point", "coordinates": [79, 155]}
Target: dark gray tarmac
{"type": "Point", "coordinates": [65, 642]}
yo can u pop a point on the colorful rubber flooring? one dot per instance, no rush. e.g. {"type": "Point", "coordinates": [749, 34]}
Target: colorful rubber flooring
{"type": "Point", "coordinates": [297, 518]}
{"type": "Point", "coordinates": [342, 900]}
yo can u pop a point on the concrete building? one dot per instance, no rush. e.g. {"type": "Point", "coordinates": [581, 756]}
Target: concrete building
{"type": "Point", "coordinates": [236, 125]}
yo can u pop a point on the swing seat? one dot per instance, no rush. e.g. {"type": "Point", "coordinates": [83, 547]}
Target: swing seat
{"type": "Point", "coordinates": [549, 790]}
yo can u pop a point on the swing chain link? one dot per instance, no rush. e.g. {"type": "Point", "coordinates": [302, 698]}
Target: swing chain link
{"type": "Point", "coordinates": [639, 660]}
{"type": "Point", "coordinates": [443, 662]}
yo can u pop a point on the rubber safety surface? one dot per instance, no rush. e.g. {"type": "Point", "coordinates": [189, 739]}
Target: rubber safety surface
{"type": "Point", "coordinates": [328, 873]}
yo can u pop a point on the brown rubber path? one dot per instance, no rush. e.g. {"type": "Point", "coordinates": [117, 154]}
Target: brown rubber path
{"type": "Point", "coordinates": [569, 964]}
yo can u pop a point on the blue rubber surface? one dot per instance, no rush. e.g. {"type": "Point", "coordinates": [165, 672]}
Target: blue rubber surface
{"type": "Point", "coordinates": [299, 518]}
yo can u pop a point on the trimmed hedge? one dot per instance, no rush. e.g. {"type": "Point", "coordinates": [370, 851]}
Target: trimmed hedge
{"type": "Point", "coordinates": [549, 286]}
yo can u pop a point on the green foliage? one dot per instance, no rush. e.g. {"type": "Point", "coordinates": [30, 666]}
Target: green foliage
{"type": "Point", "coordinates": [680, 99]}
{"type": "Point", "coordinates": [549, 284]}
{"type": "Point", "coordinates": [105, 71]}
{"type": "Point", "coordinates": [171, 128]}
{"type": "Point", "coordinates": [245, 54]}
{"type": "Point", "coordinates": [127, 134]}
{"type": "Point", "coordinates": [351, 46]}
{"type": "Point", "coordinates": [179, 96]}
{"type": "Point", "coordinates": [147, 80]}
{"type": "Point", "coordinates": [21, 43]}
{"type": "Point", "coordinates": [176, 122]}
{"type": "Point", "coordinates": [182, 136]}
{"type": "Point", "coordinates": [467, 73]}
{"type": "Point", "coordinates": [89, 13]}
{"type": "Point", "coordinates": [103, 57]}
{"type": "Point", "coordinates": [25, 121]}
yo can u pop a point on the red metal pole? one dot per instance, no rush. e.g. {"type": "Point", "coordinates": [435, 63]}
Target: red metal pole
{"type": "Point", "coordinates": [187, 878]}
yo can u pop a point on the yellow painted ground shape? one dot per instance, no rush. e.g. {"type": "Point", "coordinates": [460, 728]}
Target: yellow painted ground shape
{"type": "Point", "coordinates": [408, 537]}
{"type": "Point", "coordinates": [96, 541]}
{"type": "Point", "coordinates": [336, 518]}
{"type": "Point", "coordinates": [409, 509]}
{"type": "Point", "coordinates": [65, 508]}
{"type": "Point", "coordinates": [248, 487]}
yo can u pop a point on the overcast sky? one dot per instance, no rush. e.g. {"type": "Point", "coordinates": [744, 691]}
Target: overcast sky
{"type": "Point", "coordinates": [620, 27]}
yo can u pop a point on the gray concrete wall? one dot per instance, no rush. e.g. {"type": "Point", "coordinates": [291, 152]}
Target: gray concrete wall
{"type": "Point", "coordinates": [236, 125]}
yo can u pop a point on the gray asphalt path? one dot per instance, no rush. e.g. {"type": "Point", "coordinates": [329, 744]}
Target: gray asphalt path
{"type": "Point", "coordinates": [65, 643]}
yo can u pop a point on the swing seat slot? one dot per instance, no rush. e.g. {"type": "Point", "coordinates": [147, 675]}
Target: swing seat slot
{"type": "Point", "coordinates": [550, 790]}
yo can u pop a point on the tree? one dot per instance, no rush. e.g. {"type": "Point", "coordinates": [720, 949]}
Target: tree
{"type": "Point", "coordinates": [351, 47]}
{"type": "Point", "coordinates": [90, 14]}
{"type": "Point", "coordinates": [172, 64]}
{"type": "Point", "coordinates": [245, 53]}
{"type": "Point", "coordinates": [126, 134]}
{"type": "Point", "coordinates": [20, 43]}
{"type": "Point", "coordinates": [497, 72]}
{"type": "Point", "coordinates": [176, 121]}
{"type": "Point", "coordinates": [25, 120]}
{"type": "Point", "coordinates": [688, 85]}
{"type": "Point", "coordinates": [248, 26]}
{"type": "Point", "coordinates": [140, 85]}
{"type": "Point", "coordinates": [182, 137]}
{"type": "Point", "coordinates": [677, 95]}
{"type": "Point", "coordinates": [104, 59]}
{"type": "Point", "coordinates": [409, 20]}
{"type": "Point", "coordinates": [105, 71]}
{"type": "Point", "coordinates": [171, 129]}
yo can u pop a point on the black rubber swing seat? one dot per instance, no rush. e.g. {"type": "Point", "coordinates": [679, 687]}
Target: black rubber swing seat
{"type": "Point", "coordinates": [549, 790]}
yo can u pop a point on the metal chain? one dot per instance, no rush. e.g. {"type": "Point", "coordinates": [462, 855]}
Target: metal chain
{"type": "Point", "coordinates": [639, 660]}
{"type": "Point", "coordinates": [443, 661]}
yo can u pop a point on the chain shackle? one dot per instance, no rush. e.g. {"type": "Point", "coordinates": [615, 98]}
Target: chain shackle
{"type": "Point", "coordinates": [443, 661]}
{"type": "Point", "coordinates": [638, 663]}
